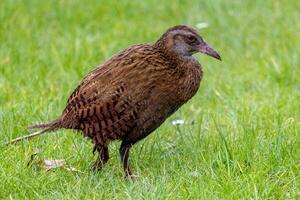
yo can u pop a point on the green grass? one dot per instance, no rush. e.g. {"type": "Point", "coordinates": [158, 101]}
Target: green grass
{"type": "Point", "coordinates": [241, 137]}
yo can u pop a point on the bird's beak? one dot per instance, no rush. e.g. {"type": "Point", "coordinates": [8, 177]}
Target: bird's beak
{"type": "Point", "coordinates": [206, 49]}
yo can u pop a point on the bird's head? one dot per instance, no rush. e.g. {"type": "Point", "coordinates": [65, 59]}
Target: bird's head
{"type": "Point", "coordinates": [185, 41]}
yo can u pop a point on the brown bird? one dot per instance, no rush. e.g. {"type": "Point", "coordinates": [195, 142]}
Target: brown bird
{"type": "Point", "coordinates": [134, 92]}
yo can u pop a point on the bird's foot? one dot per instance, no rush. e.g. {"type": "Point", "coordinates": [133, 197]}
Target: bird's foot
{"type": "Point", "coordinates": [133, 177]}
{"type": "Point", "coordinates": [130, 176]}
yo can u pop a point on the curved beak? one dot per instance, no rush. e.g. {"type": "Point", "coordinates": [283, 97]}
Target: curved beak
{"type": "Point", "coordinates": [206, 49]}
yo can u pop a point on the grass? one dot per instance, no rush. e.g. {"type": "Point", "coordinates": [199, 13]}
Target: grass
{"type": "Point", "coordinates": [241, 136]}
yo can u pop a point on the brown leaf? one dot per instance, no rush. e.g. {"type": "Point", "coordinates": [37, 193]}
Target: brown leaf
{"type": "Point", "coordinates": [51, 164]}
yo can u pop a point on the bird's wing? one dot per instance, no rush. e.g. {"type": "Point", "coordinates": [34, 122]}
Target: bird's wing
{"type": "Point", "coordinates": [102, 100]}
{"type": "Point", "coordinates": [110, 110]}
{"type": "Point", "coordinates": [83, 84]}
{"type": "Point", "coordinates": [118, 64]}
{"type": "Point", "coordinates": [114, 115]}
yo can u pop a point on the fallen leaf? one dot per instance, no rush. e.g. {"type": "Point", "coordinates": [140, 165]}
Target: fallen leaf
{"type": "Point", "coordinates": [51, 164]}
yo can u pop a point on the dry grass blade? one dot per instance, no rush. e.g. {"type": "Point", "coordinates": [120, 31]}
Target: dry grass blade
{"type": "Point", "coordinates": [19, 139]}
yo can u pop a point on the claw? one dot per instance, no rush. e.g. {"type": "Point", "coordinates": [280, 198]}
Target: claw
{"type": "Point", "coordinates": [131, 177]}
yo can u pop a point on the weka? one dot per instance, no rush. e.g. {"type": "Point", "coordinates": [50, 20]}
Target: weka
{"type": "Point", "coordinates": [134, 92]}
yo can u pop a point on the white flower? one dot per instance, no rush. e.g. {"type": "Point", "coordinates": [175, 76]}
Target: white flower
{"type": "Point", "coordinates": [177, 122]}
{"type": "Point", "coordinates": [195, 173]}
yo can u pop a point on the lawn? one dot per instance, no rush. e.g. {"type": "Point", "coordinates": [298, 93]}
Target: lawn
{"type": "Point", "coordinates": [241, 133]}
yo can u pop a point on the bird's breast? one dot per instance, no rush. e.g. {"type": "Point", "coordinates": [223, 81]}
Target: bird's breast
{"type": "Point", "coordinates": [189, 84]}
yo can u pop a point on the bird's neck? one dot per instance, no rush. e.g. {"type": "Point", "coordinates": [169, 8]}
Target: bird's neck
{"type": "Point", "coordinates": [177, 58]}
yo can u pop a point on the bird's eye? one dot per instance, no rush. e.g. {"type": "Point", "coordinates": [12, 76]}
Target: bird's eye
{"type": "Point", "coordinates": [191, 39]}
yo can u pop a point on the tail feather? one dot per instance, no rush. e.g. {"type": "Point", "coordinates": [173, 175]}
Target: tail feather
{"type": "Point", "coordinates": [50, 126]}
{"type": "Point", "coordinates": [44, 128]}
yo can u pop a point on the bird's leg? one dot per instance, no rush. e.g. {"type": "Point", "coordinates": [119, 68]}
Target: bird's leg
{"type": "Point", "coordinates": [124, 153]}
{"type": "Point", "coordinates": [102, 158]}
